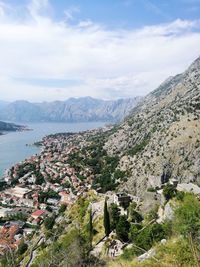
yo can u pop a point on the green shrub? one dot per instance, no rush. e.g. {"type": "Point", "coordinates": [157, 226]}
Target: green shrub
{"type": "Point", "coordinates": [152, 214]}
{"type": "Point", "coordinates": [169, 191]}
{"type": "Point", "coordinates": [122, 228]}
{"type": "Point", "coordinates": [130, 253]}
{"type": "Point", "coordinates": [69, 250]}
{"type": "Point", "coordinates": [22, 248]}
{"type": "Point", "coordinates": [187, 217]}
{"type": "Point", "coordinates": [180, 195]}
{"type": "Point", "coordinates": [150, 235]}
{"type": "Point", "coordinates": [134, 230]}
{"type": "Point", "coordinates": [139, 147]}
{"type": "Point", "coordinates": [49, 222]}
{"type": "Point", "coordinates": [135, 216]}
{"type": "Point", "coordinates": [62, 208]}
{"type": "Point", "coordinates": [151, 189]}
{"type": "Point", "coordinates": [114, 215]}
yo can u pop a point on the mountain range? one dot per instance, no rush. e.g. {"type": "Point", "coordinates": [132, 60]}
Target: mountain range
{"type": "Point", "coordinates": [83, 109]}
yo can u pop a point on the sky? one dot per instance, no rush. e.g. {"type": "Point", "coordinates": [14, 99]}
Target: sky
{"type": "Point", "coordinates": [109, 49]}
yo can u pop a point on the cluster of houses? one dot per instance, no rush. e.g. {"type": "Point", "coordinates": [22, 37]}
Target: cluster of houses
{"type": "Point", "coordinates": [13, 232]}
{"type": "Point", "coordinates": [23, 197]}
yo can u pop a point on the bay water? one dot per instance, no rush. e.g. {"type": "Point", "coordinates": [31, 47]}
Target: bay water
{"type": "Point", "coordinates": [14, 146]}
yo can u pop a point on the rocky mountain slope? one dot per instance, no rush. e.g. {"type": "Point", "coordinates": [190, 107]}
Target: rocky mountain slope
{"type": "Point", "coordinates": [72, 110]}
{"type": "Point", "coordinates": [161, 138]}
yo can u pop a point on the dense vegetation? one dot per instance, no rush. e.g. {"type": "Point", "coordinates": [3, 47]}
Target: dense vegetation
{"type": "Point", "coordinates": [182, 247]}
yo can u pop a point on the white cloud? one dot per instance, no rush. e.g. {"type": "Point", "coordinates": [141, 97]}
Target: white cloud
{"type": "Point", "coordinates": [70, 12]}
{"type": "Point", "coordinates": [37, 8]}
{"type": "Point", "coordinates": [111, 63]}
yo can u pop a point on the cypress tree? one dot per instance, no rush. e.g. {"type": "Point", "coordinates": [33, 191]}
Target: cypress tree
{"type": "Point", "coordinates": [90, 227]}
{"type": "Point", "coordinates": [106, 219]}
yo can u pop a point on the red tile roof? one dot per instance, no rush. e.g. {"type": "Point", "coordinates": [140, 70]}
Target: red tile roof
{"type": "Point", "coordinates": [38, 213]}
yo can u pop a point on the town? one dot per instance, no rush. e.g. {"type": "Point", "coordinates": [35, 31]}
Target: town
{"type": "Point", "coordinates": [41, 185]}
{"type": "Point", "coordinates": [52, 181]}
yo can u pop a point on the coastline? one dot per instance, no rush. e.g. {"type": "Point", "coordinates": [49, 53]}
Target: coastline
{"type": "Point", "coordinates": [41, 145]}
{"type": "Point", "coordinates": [33, 143]}
{"type": "Point", "coordinates": [6, 171]}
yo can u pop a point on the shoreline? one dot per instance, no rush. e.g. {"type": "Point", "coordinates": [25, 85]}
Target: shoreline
{"type": "Point", "coordinates": [40, 147]}
{"type": "Point", "coordinates": [15, 131]}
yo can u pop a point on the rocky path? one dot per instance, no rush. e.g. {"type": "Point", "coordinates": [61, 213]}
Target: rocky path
{"type": "Point", "coordinates": [34, 250]}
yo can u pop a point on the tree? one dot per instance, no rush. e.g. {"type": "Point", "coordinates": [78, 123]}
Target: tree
{"type": "Point", "coordinates": [149, 235]}
{"type": "Point", "coordinates": [135, 216]}
{"type": "Point", "coordinates": [106, 219]}
{"type": "Point", "coordinates": [169, 191]}
{"type": "Point", "coordinates": [134, 230]}
{"type": "Point", "coordinates": [122, 228]}
{"type": "Point", "coordinates": [131, 211]}
{"type": "Point", "coordinates": [62, 208]}
{"type": "Point", "coordinates": [39, 178]}
{"type": "Point", "coordinates": [90, 227]}
{"type": "Point", "coordinates": [49, 222]}
{"type": "Point", "coordinates": [22, 248]}
{"type": "Point", "coordinates": [114, 215]}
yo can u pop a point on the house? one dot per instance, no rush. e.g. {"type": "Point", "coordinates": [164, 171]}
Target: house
{"type": "Point", "coordinates": [10, 238]}
{"type": "Point", "coordinates": [4, 212]}
{"type": "Point", "coordinates": [174, 181]}
{"type": "Point", "coordinates": [19, 224]}
{"type": "Point", "coordinates": [19, 192]}
{"type": "Point", "coordinates": [38, 214]}
{"type": "Point", "coordinates": [28, 231]}
{"type": "Point", "coordinates": [26, 202]}
{"type": "Point", "coordinates": [122, 199]}
{"type": "Point", "coordinates": [52, 201]}
{"type": "Point", "coordinates": [66, 198]}
{"type": "Point", "coordinates": [43, 206]}
{"type": "Point", "coordinates": [36, 221]}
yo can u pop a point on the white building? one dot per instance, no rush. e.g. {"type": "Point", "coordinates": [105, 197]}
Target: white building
{"type": "Point", "coordinates": [4, 212]}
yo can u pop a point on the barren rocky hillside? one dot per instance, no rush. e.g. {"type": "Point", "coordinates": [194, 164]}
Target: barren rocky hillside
{"type": "Point", "coordinates": [161, 139]}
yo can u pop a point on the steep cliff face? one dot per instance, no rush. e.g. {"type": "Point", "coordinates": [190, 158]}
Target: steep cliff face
{"type": "Point", "coordinates": [161, 138]}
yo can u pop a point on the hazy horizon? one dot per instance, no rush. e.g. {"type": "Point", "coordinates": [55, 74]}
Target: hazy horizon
{"type": "Point", "coordinates": [67, 99]}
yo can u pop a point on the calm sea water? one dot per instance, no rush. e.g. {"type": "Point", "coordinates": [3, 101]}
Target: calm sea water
{"type": "Point", "coordinates": [13, 145]}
